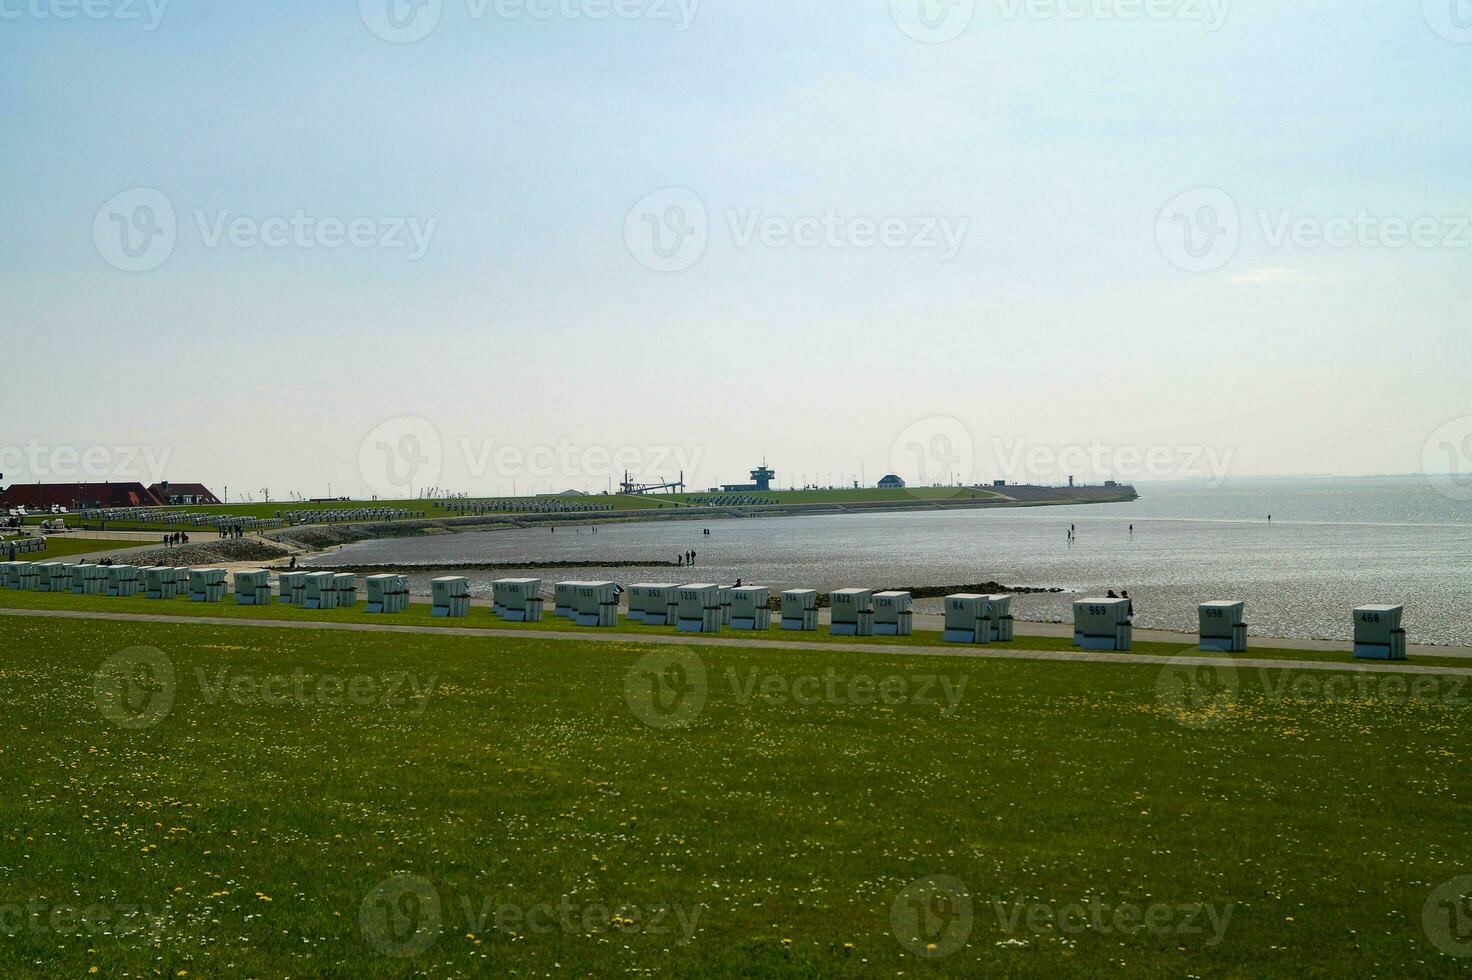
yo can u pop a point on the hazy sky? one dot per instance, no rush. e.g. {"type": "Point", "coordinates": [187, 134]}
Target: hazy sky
{"type": "Point", "coordinates": [532, 241]}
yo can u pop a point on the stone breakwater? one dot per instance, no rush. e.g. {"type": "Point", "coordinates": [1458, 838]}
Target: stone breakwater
{"type": "Point", "coordinates": [204, 554]}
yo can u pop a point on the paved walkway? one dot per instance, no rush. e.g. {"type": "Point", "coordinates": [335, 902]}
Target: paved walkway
{"type": "Point", "coordinates": [689, 640]}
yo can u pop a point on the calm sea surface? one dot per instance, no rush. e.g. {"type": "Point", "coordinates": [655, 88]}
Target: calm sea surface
{"type": "Point", "coordinates": [1332, 545]}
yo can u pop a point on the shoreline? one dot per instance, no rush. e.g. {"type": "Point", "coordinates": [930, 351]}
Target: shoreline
{"type": "Point", "coordinates": [323, 536]}
{"type": "Point", "coordinates": [288, 543]}
{"type": "Point", "coordinates": [931, 620]}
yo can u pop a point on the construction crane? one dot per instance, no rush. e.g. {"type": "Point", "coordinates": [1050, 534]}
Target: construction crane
{"type": "Point", "coordinates": [632, 488]}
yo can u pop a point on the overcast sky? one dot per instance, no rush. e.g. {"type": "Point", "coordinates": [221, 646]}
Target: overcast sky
{"type": "Point", "coordinates": [491, 243]}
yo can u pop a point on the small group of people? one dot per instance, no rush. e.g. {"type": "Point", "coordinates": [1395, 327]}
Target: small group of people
{"type": "Point", "coordinates": [1125, 595]}
{"type": "Point", "coordinates": [176, 538]}
{"type": "Point", "coordinates": [237, 532]}
{"type": "Point", "coordinates": [688, 558]}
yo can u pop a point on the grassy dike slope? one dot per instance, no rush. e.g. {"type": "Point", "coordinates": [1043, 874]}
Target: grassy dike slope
{"type": "Point", "coordinates": [58, 548]}
{"type": "Point", "coordinates": [532, 814]}
{"type": "Point", "coordinates": [418, 616]}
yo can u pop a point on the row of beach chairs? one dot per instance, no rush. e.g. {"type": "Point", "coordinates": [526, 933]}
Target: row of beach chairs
{"type": "Point", "coordinates": [343, 515]}
{"type": "Point", "coordinates": [23, 546]}
{"type": "Point", "coordinates": [173, 518]}
{"type": "Point", "coordinates": [527, 505]}
{"type": "Point", "coordinates": [199, 584]}
{"type": "Point", "coordinates": [1105, 624]}
{"type": "Point", "coordinates": [1098, 624]}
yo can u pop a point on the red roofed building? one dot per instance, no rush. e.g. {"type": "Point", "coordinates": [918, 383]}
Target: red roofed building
{"type": "Point", "coordinates": [76, 496]}
{"type": "Point", "coordinates": [189, 494]}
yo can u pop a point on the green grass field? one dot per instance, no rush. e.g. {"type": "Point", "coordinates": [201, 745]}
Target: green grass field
{"type": "Point", "coordinates": [64, 547]}
{"type": "Point", "coordinates": [421, 509]}
{"type": "Point", "coordinates": [481, 617]}
{"type": "Point", "coordinates": [433, 509]}
{"type": "Point", "coordinates": [299, 803]}
{"type": "Point", "coordinates": [850, 496]}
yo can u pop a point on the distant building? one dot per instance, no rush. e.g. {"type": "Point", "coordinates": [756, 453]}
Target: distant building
{"type": "Point", "coordinates": [761, 481]}
{"type": "Point", "coordinates": [891, 482]}
{"type": "Point", "coordinates": [565, 493]}
{"type": "Point", "coordinates": [77, 496]}
{"type": "Point", "coordinates": [187, 494]}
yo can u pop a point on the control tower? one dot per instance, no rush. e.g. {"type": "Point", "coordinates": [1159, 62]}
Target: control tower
{"type": "Point", "coordinates": [761, 481]}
